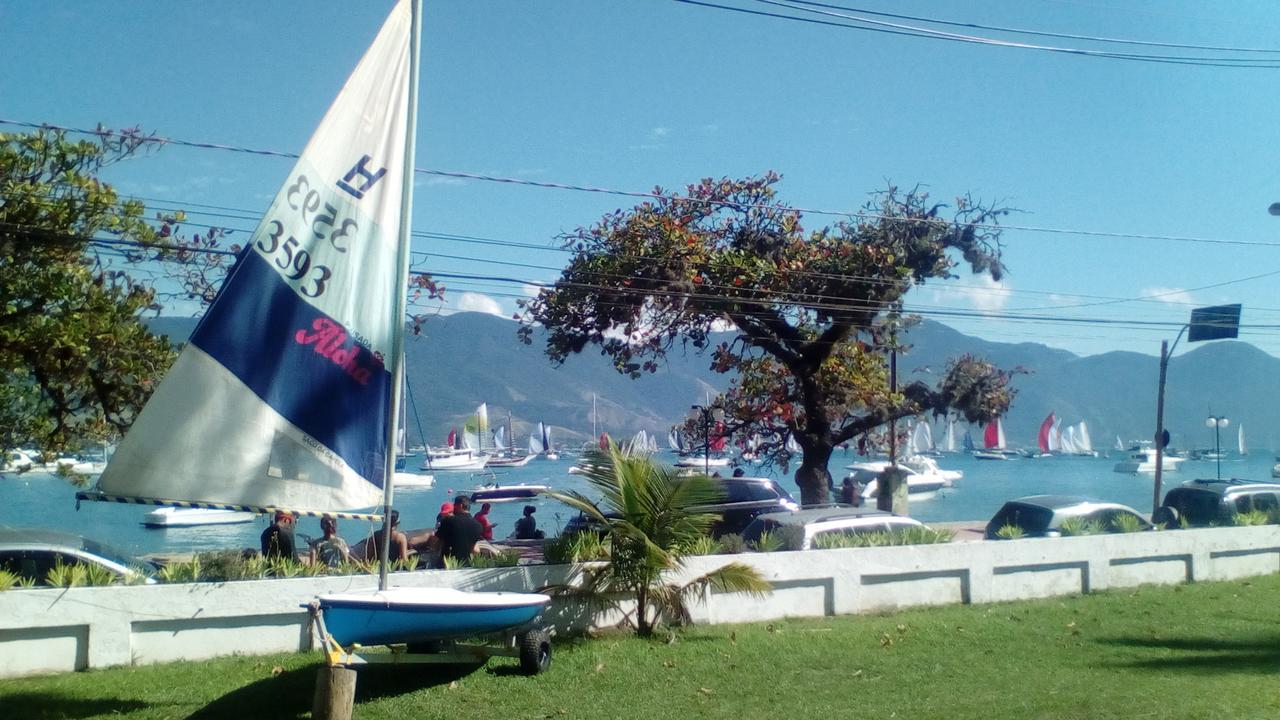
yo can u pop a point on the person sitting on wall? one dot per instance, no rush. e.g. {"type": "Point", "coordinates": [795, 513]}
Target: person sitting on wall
{"type": "Point", "coordinates": [482, 517]}
{"type": "Point", "coordinates": [277, 539]}
{"type": "Point", "coordinates": [399, 542]}
{"type": "Point", "coordinates": [330, 550]}
{"type": "Point", "coordinates": [849, 494]}
{"type": "Point", "coordinates": [459, 533]}
{"type": "Point", "coordinates": [527, 527]}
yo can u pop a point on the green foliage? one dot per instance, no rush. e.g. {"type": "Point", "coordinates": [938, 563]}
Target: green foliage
{"type": "Point", "coordinates": [76, 364]}
{"type": "Point", "coordinates": [1010, 532]}
{"type": "Point", "coordinates": [650, 523]}
{"type": "Point", "coordinates": [69, 575]}
{"type": "Point", "coordinates": [1253, 517]}
{"type": "Point", "coordinates": [904, 536]}
{"type": "Point", "coordinates": [767, 542]}
{"type": "Point", "coordinates": [705, 545]}
{"type": "Point", "coordinates": [1074, 526]}
{"type": "Point", "coordinates": [731, 545]}
{"type": "Point", "coordinates": [575, 547]}
{"type": "Point", "coordinates": [451, 562]}
{"type": "Point", "coordinates": [1124, 523]}
{"type": "Point", "coordinates": [507, 558]}
{"type": "Point", "coordinates": [182, 571]}
{"type": "Point", "coordinates": [665, 273]}
{"type": "Point", "coordinates": [8, 580]}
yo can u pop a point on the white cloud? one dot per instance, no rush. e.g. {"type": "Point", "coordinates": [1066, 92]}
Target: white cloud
{"type": "Point", "coordinates": [531, 290]}
{"type": "Point", "coordinates": [1173, 296]}
{"type": "Point", "coordinates": [659, 132]}
{"type": "Point", "coordinates": [476, 302]}
{"type": "Point", "coordinates": [977, 291]}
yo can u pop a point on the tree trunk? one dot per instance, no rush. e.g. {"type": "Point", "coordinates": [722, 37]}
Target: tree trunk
{"type": "Point", "coordinates": [813, 477]}
{"type": "Point", "coordinates": [643, 628]}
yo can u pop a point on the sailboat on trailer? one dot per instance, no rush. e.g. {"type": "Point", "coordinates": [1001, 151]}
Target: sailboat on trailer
{"type": "Point", "coordinates": [285, 396]}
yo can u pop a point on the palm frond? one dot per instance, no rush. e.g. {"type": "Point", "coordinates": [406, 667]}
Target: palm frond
{"type": "Point", "coordinates": [732, 577]}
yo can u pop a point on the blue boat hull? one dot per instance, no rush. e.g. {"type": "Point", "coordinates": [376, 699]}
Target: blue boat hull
{"type": "Point", "coordinates": [380, 624]}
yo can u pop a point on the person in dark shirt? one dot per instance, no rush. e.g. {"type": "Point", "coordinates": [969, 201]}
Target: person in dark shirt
{"type": "Point", "coordinates": [459, 532]}
{"type": "Point", "coordinates": [527, 527]}
{"type": "Point", "coordinates": [277, 539]}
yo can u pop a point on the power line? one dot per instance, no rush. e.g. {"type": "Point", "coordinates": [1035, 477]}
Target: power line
{"type": "Point", "coordinates": [1039, 33]}
{"type": "Point", "coordinates": [888, 28]}
{"type": "Point", "coordinates": [848, 214]}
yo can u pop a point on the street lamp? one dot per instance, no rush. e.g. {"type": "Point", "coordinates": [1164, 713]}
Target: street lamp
{"type": "Point", "coordinates": [708, 414]}
{"type": "Point", "coordinates": [1217, 422]}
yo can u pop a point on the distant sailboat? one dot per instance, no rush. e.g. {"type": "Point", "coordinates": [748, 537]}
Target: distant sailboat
{"type": "Point", "coordinates": [1240, 439]}
{"type": "Point", "coordinates": [1046, 430]}
{"type": "Point", "coordinates": [992, 442]}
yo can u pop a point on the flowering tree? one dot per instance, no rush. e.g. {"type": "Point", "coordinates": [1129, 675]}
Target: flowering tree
{"type": "Point", "coordinates": [812, 311]}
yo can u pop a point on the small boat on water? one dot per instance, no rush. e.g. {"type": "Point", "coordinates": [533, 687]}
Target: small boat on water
{"type": "Point", "coordinates": [507, 493]}
{"type": "Point", "coordinates": [414, 480]}
{"type": "Point", "coordinates": [175, 517]}
{"type": "Point", "coordinates": [509, 460]}
{"type": "Point", "coordinates": [702, 461]}
{"type": "Point", "coordinates": [400, 615]}
{"type": "Point", "coordinates": [445, 460]}
{"type": "Point", "coordinates": [1142, 459]}
{"type": "Point", "coordinates": [920, 485]}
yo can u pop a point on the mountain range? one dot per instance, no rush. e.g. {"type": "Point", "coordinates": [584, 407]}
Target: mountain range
{"type": "Point", "coordinates": [464, 359]}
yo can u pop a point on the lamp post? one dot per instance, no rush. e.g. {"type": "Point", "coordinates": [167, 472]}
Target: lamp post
{"type": "Point", "coordinates": [1217, 422]}
{"type": "Point", "coordinates": [708, 414]}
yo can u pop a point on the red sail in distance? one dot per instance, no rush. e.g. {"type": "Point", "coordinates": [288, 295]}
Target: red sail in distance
{"type": "Point", "coordinates": [991, 435]}
{"type": "Point", "coordinates": [1043, 438]}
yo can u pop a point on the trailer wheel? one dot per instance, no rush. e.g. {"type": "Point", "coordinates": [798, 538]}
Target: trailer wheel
{"type": "Point", "coordinates": [535, 651]}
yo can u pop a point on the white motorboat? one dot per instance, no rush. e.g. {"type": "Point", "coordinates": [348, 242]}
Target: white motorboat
{"type": "Point", "coordinates": [1142, 459]}
{"type": "Point", "coordinates": [173, 517]}
{"type": "Point", "coordinates": [926, 465]}
{"type": "Point", "coordinates": [920, 485]}
{"type": "Point", "coordinates": [702, 461]}
{"type": "Point", "coordinates": [495, 493]}
{"type": "Point", "coordinates": [408, 480]}
{"type": "Point", "coordinates": [17, 461]}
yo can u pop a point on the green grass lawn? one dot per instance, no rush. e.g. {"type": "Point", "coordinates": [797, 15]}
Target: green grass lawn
{"type": "Point", "coordinates": [1210, 650]}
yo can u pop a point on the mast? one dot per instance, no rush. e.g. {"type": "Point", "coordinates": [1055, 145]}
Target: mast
{"type": "Point", "coordinates": [402, 273]}
{"type": "Point", "coordinates": [595, 433]}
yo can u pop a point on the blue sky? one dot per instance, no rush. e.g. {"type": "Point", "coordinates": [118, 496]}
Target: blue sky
{"type": "Point", "coordinates": [629, 95]}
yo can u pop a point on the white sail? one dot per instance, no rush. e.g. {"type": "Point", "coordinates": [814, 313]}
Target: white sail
{"type": "Point", "coordinates": [1119, 443]}
{"type": "Point", "coordinates": [547, 443]}
{"type": "Point", "coordinates": [1055, 437]}
{"type": "Point", "coordinates": [1000, 434]}
{"type": "Point", "coordinates": [921, 438]}
{"type": "Point", "coordinates": [1083, 444]}
{"type": "Point", "coordinates": [281, 397]}
{"type": "Point", "coordinates": [951, 435]}
{"type": "Point", "coordinates": [1070, 445]}
{"type": "Point", "coordinates": [1240, 439]}
{"type": "Point", "coordinates": [535, 441]}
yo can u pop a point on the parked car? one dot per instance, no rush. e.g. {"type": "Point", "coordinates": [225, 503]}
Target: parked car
{"type": "Point", "coordinates": [1043, 515]}
{"type": "Point", "coordinates": [841, 520]}
{"type": "Point", "coordinates": [17, 461]}
{"type": "Point", "coordinates": [32, 553]}
{"type": "Point", "coordinates": [743, 499]}
{"type": "Point", "coordinates": [1202, 503]}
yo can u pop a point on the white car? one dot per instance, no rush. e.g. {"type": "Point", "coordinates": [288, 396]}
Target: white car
{"type": "Point", "coordinates": [828, 520]}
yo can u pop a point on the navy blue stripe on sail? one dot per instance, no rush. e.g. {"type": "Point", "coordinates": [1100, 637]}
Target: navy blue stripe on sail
{"type": "Point", "coordinates": [302, 363]}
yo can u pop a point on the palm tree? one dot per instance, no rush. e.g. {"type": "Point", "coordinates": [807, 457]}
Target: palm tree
{"type": "Point", "coordinates": [651, 522]}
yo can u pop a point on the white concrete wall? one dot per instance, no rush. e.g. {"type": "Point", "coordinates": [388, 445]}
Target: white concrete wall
{"type": "Point", "coordinates": [58, 630]}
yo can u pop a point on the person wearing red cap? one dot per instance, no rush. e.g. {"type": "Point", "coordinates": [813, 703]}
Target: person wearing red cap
{"type": "Point", "coordinates": [446, 509]}
{"type": "Point", "coordinates": [277, 539]}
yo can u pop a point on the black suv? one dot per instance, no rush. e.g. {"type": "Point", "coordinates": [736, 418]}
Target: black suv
{"type": "Point", "coordinates": [744, 499]}
{"type": "Point", "coordinates": [1202, 503]}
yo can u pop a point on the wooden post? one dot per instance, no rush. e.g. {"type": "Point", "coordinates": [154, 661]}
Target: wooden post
{"type": "Point", "coordinates": [1159, 438]}
{"type": "Point", "coordinates": [335, 697]}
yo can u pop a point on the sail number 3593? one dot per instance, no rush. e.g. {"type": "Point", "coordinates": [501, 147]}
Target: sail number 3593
{"type": "Point", "coordinates": [288, 254]}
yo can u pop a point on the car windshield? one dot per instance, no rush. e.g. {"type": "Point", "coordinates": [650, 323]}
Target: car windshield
{"type": "Point", "coordinates": [1030, 519]}
{"type": "Point", "coordinates": [109, 553]}
{"type": "Point", "coordinates": [1198, 507]}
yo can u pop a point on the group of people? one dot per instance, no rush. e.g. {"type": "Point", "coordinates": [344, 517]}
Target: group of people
{"type": "Point", "coordinates": [456, 535]}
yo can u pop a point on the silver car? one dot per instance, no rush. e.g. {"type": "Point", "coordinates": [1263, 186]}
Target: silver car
{"type": "Point", "coordinates": [32, 553]}
{"type": "Point", "coordinates": [1043, 515]}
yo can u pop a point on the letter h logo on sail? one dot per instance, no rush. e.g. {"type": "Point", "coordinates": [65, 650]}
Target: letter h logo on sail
{"type": "Point", "coordinates": [367, 179]}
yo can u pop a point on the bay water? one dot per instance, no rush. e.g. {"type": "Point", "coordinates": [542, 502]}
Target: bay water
{"type": "Point", "coordinates": [39, 500]}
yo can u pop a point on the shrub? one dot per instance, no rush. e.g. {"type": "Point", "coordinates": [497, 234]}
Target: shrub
{"type": "Point", "coordinates": [732, 545]}
{"type": "Point", "coordinates": [791, 537]}
{"type": "Point", "coordinates": [1075, 526]}
{"type": "Point", "coordinates": [767, 542]}
{"type": "Point", "coordinates": [507, 558]}
{"type": "Point", "coordinates": [1125, 524]}
{"type": "Point", "coordinates": [1010, 532]}
{"type": "Point", "coordinates": [574, 548]}
{"type": "Point", "coordinates": [704, 545]}
{"type": "Point", "coordinates": [8, 580]}
{"type": "Point", "coordinates": [1253, 517]}
{"type": "Point", "coordinates": [180, 572]}
{"type": "Point", "coordinates": [65, 576]}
